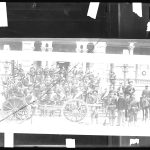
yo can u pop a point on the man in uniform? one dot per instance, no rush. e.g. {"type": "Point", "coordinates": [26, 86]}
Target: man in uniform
{"type": "Point", "coordinates": [133, 109]}
{"type": "Point", "coordinates": [144, 102]}
{"type": "Point", "coordinates": [129, 90]}
{"type": "Point", "coordinates": [121, 109]}
{"type": "Point", "coordinates": [120, 89]}
{"type": "Point", "coordinates": [146, 92]}
{"type": "Point", "coordinates": [111, 107]}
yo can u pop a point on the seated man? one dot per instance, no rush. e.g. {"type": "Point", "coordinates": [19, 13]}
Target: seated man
{"type": "Point", "coordinates": [120, 89]}
{"type": "Point", "coordinates": [146, 92]}
{"type": "Point", "coordinates": [129, 90]}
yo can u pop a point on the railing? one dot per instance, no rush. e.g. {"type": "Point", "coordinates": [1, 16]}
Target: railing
{"type": "Point", "coordinates": [137, 81]}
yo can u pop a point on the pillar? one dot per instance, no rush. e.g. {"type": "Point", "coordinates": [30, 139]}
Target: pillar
{"type": "Point", "coordinates": [82, 48]}
{"type": "Point", "coordinates": [131, 47]}
{"type": "Point", "coordinates": [100, 47]}
{"type": "Point", "coordinates": [47, 46]}
{"type": "Point", "coordinates": [136, 72]}
{"type": "Point", "coordinates": [27, 46]}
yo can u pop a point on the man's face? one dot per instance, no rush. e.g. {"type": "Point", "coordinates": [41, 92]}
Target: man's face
{"type": "Point", "coordinates": [111, 94]}
{"type": "Point", "coordinates": [121, 95]}
{"type": "Point", "coordinates": [127, 96]}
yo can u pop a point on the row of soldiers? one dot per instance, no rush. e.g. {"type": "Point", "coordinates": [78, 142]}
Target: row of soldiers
{"type": "Point", "coordinates": [124, 105]}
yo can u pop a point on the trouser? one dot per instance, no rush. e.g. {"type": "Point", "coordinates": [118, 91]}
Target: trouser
{"type": "Point", "coordinates": [94, 116]}
{"type": "Point", "coordinates": [121, 116]}
{"type": "Point", "coordinates": [149, 112]}
{"type": "Point", "coordinates": [132, 116]}
{"type": "Point", "coordinates": [111, 116]}
{"type": "Point", "coordinates": [126, 114]}
{"type": "Point", "coordinates": [145, 113]}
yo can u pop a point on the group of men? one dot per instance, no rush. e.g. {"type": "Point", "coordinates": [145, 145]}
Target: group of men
{"type": "Point", "coordinates": [123, 105]}
{"type": "Point", "coordinates": [52, 85]}
{"type": "Point", "coordinates": [55, 85]}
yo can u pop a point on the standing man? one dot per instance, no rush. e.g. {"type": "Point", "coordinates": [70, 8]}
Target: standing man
{"type": "Point", "coordinates": [133, 109]}
{"type": "Point", "coordinates": [121, 109]}
{"type": "Point", "coordinates": [111, 107]}
{"type": "Point", "coordinates": [144, 102]}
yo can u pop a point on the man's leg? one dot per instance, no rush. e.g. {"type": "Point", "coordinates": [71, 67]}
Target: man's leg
{"type": "Point", "coordinates": [118, 117]}
{"type": "Point", "coordinates": [113, 117]}
{"type": "Point", "coordinates": [135, 117]}
{"type": "Point", "coordinates": [123, 116]}
{"type": "Point", "coordinates": [126, 114]}
{"type": "Point", "coordinates": [143, 114]}
{"type": "Point", "coordinates": [146, 114]}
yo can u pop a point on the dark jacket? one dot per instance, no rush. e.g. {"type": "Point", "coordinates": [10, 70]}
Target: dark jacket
{"type": "Point", "coordinates": [121, 104]}
{"type": "Point", "coordinates": [134, 105]}
{"type": "Point", "coordinates": [145, 93]}
{"type": "Point", "coordinates": [129, 90]}
{"type": "Point", "coordinates": [112, 103]}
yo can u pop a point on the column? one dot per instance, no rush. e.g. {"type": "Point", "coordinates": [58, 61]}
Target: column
{"type": "Point", "coordinates": [47, 46]}
{"type": "Point", "coordinates": [12, 66]}
{"type": "Point", "coordinates": [125, 70]}
{"type": "Point", "coordinates": [136, 72]}
{"type": "Point", "coordinates": [111, 77]}
{"type": "Point", "coordinates": [27, 46]}
{"type": "Point", "coordinates": [82, 48]}
{"type": "Point", "coordinates": [131, 47]}
{"type": "Point", "coordinates": [37, 47]}
{"type": "Point", "coordinates": [7, 65]}
{"type": "Point", "coordinates": [90, 49]}
{"type": "Point", "coordinates": [100, 47]}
